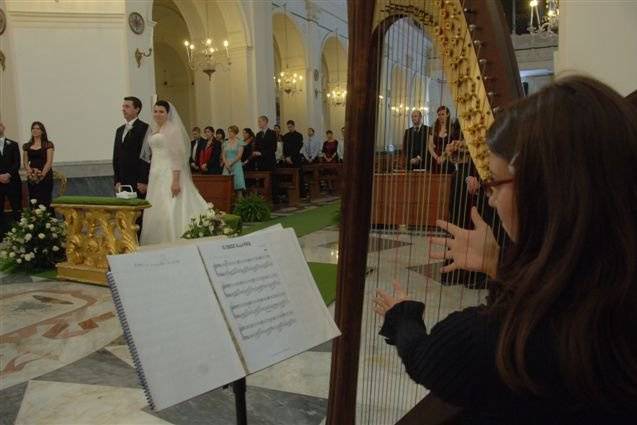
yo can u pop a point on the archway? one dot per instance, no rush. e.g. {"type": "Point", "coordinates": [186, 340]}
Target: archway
{"type": "Point", "coordinates": [334, 70]}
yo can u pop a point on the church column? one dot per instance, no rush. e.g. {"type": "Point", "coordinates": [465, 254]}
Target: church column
{"type": "Point", "coordinates": [314, 99]}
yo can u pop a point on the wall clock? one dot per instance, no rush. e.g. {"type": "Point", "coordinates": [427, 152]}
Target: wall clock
{"type": "Point", "coordinates": [136, 23]}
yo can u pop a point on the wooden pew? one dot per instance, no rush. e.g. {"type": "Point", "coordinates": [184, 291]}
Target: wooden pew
{"type": "Point", "coordinates": [311, 174]}
{"type": "Point", "coordinates": [332, 173]}
{"type": "Point", "coordinates": [260, 182]}
{"type": "Point", "coordinates": [288, 179]}
{"type": "Point", "coordinates": [219, 190]}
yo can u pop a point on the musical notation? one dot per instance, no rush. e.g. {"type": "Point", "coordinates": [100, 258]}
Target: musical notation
{"type": "Point", "coordinates": [234, 267]}
{"type": "Point", "coordinates": [249, 281]}
{"type": "Point", "coordinates": [267, 326]}
{"type": "Point", "coordinates": [271, 284]}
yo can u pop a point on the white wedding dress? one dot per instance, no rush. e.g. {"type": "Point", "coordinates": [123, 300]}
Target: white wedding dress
{"type": "Point", "coordinates": [168, 217]}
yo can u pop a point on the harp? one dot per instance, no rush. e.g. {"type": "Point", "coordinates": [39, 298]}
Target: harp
{"type": "Point", "coordinates": [456, 53]}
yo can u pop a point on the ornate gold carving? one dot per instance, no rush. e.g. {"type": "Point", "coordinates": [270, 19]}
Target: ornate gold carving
{"type": "Point", "coordinates": [93, 233]}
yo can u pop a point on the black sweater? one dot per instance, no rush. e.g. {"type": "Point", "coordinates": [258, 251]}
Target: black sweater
{"type": "Point", "coordinates": [456, 361]}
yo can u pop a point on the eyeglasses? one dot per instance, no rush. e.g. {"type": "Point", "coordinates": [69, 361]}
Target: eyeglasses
{"type": "Point", "coordinates": [488, 186]}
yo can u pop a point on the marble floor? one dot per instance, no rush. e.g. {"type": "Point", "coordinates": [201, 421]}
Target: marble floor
{"type": "Point", "coordinates": [63, 360]}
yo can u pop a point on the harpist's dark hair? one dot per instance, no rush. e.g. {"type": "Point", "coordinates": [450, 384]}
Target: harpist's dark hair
{"type": "Point", "coordinates": [164, 104]}
{"type": "Point", "coordinates": [573, 267]}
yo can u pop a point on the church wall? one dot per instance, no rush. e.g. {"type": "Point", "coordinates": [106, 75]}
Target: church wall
{"type": "Point", "coordinates": [600, 39]}
{"type": "Point", "coordinates": [70, 73]}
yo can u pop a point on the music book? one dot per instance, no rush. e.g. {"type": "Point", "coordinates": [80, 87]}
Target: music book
{"type": "Point", "coordinates": [199, 316]}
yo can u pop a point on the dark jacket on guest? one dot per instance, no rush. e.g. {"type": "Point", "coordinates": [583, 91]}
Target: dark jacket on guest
{"type": "Point", "coordinates": [292, 145]}
{"type": "Point", "coordinates": [265, 142]}
{"type": "Point", "coordinates": [128, 167]}
{"type": "Point", "coordinates": [414, 145]}
{"type": "Point", "coordinates": [10, 163]}
{"type": "Point", "coordinates": [213, 165]}
{"type": "Point", "coordinates": [194, 151]}
{"type": "Point", "coordinates": [246, 158]}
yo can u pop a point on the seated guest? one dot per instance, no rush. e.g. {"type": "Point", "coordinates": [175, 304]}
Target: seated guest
{"type": "Point", "coordinates": [414, 148]}
{"type": "Point", "coordinates": [312, 148]}
{"type": "Point", "coordinates": [330, 148]}
{"type": "Point", "coordinates": [557, 344]}
{"type": "Point", "coordinates": [195, 144]}
{"type": "Point", "coordinates": [264, 149]}
{"type": "Point", "coordinates": [248, 144]}
{"type": "Point", "coordinates": [10, 183]}
{"type": "Point", "coordinates": [209, 155]}
{"type": "Point", "coordinates": [232, 166]}
{"type": "Point", "coordinates": [292, 145]}
{"type": "Point", "coordinates": [37, 161]}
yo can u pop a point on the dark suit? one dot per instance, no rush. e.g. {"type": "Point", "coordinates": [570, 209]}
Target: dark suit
{"type": "Point", "coordinates": [265, 143]}
{"type": "Point", "coordinates": [10, 163]}
{"type": "Point", "coordinates": [128, 167]}
{"type": "Point", "coordinates": [292, 144]}
{"type": "Point", "coordinates": [213, 164]}
{"type": "Point", "coordinates": [194, 152]}
{"type": "Point", "coordinates": [414, 145]}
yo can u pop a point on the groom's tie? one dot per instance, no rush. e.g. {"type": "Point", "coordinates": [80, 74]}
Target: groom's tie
{"type": "Point", "coordinates": [127, 127]}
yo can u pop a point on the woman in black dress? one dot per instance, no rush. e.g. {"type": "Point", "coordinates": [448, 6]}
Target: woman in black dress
{"type": "Point", "coordinates": [557, 345]}
{"type": "Point", "coordinates": [248, 148]}
{"type": "Point", "coordinates": [37, 161]}
{"type": "Point", "coordinates": [442, 135]}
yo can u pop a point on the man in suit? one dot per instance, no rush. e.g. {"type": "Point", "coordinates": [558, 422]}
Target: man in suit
{"type": "Point", "coordinates": [10, 183]}
{"type": "Point", "coordinates": [292, 145]}
{"type": "Point", "coordinates": [195, 146]}
{"type": "Point", "coordinates": [128, 167]}
{"type": "Point", "coordinates": [415, 143]}
{"type": "Point", "coordinates": [265, 146]}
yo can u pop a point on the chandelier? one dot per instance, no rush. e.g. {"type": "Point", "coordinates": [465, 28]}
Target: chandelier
{"type": "Point", "coordinates": [286, 81]}
{"type": "Point", "coordinates": [207, 56]}
{"type": "Point", "coordinates": [548, 23]}
{"type": "Point", "coordinates": [337, 95]}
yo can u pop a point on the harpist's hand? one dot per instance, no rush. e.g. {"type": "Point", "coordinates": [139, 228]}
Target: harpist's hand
{"type": "Point", "coordinates": [472, 250]}
{"type": "Point", "coordinates": [384, 302]}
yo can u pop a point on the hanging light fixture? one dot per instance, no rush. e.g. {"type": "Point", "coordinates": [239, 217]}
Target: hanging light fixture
{"type": "Point", "coordinates": [207, 56]}
{"type": "Point", "coordinates": [336, 95]}
{"type": "Point", "coordinates": [286, 81]}
{"type": "Point", "coordinates": [547, 24]}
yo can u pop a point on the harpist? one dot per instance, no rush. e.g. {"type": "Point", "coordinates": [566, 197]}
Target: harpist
{"type": "Point", "coordinates": [559, 343]}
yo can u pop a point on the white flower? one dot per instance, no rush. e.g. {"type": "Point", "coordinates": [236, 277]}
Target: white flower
{"type": "Point", "coordinates": [55, 248]}
{"type": "Point", "coordinates": [12, 255]}
{"type": "Point", "coordinates": [45, 251]}
{"type": "Point", "coordinates": [227, 230]}
{"type": "Point", "coordinates": [23, 220]}
{"type": "Point", "coordinates": [28, 257]}
{"type": "Point", "coordinates": [200, 234]}
{"type": "Point", "coordinates": [42, 207]}
{"type": "Point", "coordinates": [34, 201]}
{"type": "Point", "coordinates": [30, 226]}
{"type": "Point", "coordinates": [19, 261]}
{"type": "Point", "coordinates": [41, 235]}
{"type": "Point", "coordinates": [48, 225]}
{"type": "Point", "coordinates": [38, 212]}
{"type": "Point", "coordinates": [54, 220]}
{"type": "Point", "coordinates": [28, 237]}
{"type": "Point", "coordinates": [54, 235]}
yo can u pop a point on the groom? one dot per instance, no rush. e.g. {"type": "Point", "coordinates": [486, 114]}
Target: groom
{"type": "Point", "coordinates": [128, 167]}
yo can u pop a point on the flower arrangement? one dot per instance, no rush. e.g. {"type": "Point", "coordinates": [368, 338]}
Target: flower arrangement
{"type": "Point", "coordinates": [36, 242]}
{"type": "Point", "coordinates": [35, 175]}
{"type": "Point", "coordinates": [252, 208]}
{"type": "Point", "coordinates": [209, 223]}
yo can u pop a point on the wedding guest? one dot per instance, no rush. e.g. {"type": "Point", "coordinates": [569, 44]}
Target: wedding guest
{"type": "Point", "coordinates": [209, 154]}
{"type": "Point", "coordinates": [279, 142]}
{"type": "Point", "coordinates": [37, 161]}
{"type": "Point", "coordinates": [414, 149]}
{"type": "Point", "coordinates": [442, 135]}
{"type": "Point", "coordinates": [220, 135]}
{"type": "Point", "coordinates": [248, 145]}
{"type": "Point", "coordinates": [10, 183]}
{"type": "Point", "coordinates": [264, 149]}
{"type": "Point", "coordinates": [341, 146]}
{"type": "Point", "coordinates": [292, 145]}
{"type": "Point", "coordinates": [330, 148]}
{"type": "Point", "coordinates": [195, 144]}
{"type": "Point", "coordinates": [312, 149]}
{"type": "Point", "coordinates": [232, 166]}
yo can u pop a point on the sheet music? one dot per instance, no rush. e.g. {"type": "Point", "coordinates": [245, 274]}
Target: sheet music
{"type": "Point", "coordinates": [268, 296]}
{"type": "Point", "coordinates": [179, 331]}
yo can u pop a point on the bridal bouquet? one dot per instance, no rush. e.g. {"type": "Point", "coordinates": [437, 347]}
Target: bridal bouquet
{"type": "Point", "coordinates": [209, 223]}
{"type": "Point", "coordinates": [35, 176]}
{"type": "Point", "coordinates": [36, 242]}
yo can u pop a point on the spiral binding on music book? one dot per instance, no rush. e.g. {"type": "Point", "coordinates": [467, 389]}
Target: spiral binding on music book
{"type": "Point", "coordinates": [119, 308]}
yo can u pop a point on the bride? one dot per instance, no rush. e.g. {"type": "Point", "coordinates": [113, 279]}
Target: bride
{"type": "Point", "coordinates": [173, 197]}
